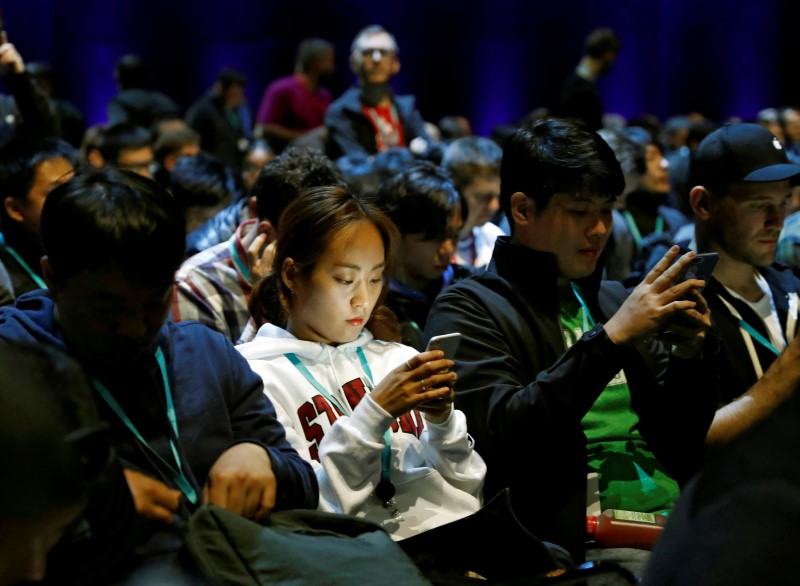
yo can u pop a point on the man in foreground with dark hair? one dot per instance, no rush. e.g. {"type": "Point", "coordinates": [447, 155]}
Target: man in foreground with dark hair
{"type": "Point", "coordinates": [561, 374]}
{"type": "Point", "coordinates": [188, 416]}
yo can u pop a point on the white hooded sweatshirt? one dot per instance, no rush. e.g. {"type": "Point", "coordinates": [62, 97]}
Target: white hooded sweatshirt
{"type": "Point", "coordinates": [437, 475]}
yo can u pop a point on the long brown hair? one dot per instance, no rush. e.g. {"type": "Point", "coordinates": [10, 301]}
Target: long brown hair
{"type": "Point", "coordinates": [307, 227]}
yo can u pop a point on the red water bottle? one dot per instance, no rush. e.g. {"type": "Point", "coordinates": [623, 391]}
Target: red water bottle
{"type": "Point", "coordinates": [617, 528]}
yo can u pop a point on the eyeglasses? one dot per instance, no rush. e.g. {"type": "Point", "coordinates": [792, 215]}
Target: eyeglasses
{"type": "Point", "coordinates": [376, 54]}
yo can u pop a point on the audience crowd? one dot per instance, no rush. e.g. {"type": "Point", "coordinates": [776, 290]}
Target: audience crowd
{"type": "Point", "coordinates": [211, 307]}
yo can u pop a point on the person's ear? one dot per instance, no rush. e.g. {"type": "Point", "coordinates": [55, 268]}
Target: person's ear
{"type": "Point", "coordinates": [169, 161]}
{"type": "Point", "coordinates": [266, 227]}
{"type": "Point", "coordinates": [395, 65]}
{"type": "Point", "coordinates": [355, 62]}
{"type": "Point", "coordinates": [289, 273]}
{"type": "Point", "coordinates": [523, 209]}
{"type": "Point", "coordinates": [700, 200]}
{"type": "Point", "coordinates": [95, 159]}
{"type": "Point", "coordinates": [47, 273]}
{"type": "Point", "coordinates": [13, 208]}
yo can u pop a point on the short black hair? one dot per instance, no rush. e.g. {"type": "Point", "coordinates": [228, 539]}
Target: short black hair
{"type": "Point", "coordinates": [123, 135]}
{"type": "Point", "coordinates": [287, 176]}
{"type": "Point", "coordinates": [420, 200]}
{"type": "Point", "coordinates": [130, 72]}
{"type": "Point", "coordinates": [552, 156]}
{"type": "Point", "coordinates": [230, 76]}
{"type": "Point", "coordinates": [110, 218]}
{"type": "Point", "coordinates": [201, 180]}
{"type": "Point", "coordinates": [600, 41]}
{"type": "Point", "coordinates": [19, 158]}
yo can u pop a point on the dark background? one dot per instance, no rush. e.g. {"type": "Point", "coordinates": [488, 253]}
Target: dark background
{"type": "Point", "coordinates": [490, 61]}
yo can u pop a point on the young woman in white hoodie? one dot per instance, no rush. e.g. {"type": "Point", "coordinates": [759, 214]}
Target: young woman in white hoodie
{"type": "Point", "coordinates": [375, 418]}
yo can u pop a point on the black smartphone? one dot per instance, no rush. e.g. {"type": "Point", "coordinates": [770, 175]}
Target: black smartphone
{"type": "Point", "coordinates": [701, 267]}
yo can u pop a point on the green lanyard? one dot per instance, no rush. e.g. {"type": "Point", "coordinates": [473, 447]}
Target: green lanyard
{"type": "Point", "coordinates": [585, 314]}
{"type": "Point", "coordinates": [177, 475]}
{"type": "Point", "coordinates": [756, 335]}
{"type": "Point", "coordinates": [237, 260]}
{"type": "Point", "coordinates": [36, 278]}
{"type": "Point", "coordinates": [387, 438]}
{"type": "Point", "coordinates": [634, 229]}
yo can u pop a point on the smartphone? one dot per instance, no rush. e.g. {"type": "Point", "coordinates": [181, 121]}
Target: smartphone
{"type": "Point", "coordinates": [701, 267]}
{"type": "Point", "coordinates": [448, 343]}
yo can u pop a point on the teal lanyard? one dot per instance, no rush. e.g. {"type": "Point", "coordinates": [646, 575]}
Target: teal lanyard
{"type": "Point", "coordinates": [177, 475]}
{"type": "Point", "coordinates": [634, 229]}
{"type": "Point", "coordinates": [387, 438]}
{"type": "Point", "coordinates": [237, 260]}
{"type": "Point", "coordinates": [756, 335]}
{"type": "Point", "coordinates": [585, 314]}
{"type": "Point", "coordinates": [36, 278]}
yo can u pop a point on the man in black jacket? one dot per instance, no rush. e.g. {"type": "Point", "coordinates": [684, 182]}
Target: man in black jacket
{"type": "Point", "coordinates": [561, 374]}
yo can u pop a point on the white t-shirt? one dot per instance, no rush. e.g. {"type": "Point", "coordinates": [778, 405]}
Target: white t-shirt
{"type": "Point", "coordinates": [765, 308]}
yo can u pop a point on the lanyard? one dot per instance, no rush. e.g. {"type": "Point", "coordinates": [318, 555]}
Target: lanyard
{"type": "Point", "coordinates": [585, 314]}
{"type": "Point", "coordinates": [237, 260]}
{"type": "Point", "coordinates": [387, 448]}
{"type": "Point", "coordinates": [388, 133]}
{"type": "Point", "coordinates": [634, 229]}
{"type": "Point", "coordinates": [177, 475]}
{"type": "Point", "coordinates": [36, 278]}
{"type": "Point", "coordinates": [749, 333]}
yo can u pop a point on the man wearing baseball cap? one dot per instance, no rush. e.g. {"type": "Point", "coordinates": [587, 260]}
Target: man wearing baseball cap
{"type": "Point", "coordinates": [742, 181]}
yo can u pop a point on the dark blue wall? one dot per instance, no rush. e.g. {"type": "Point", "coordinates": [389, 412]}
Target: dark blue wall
{"type": "Point", "coordinates": [491, 61]}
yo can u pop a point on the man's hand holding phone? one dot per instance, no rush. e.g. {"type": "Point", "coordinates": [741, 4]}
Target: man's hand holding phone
{"type": "Point", "coordinates": [686, 330]}
{"type": "Point", "coordinates": [657, 299]}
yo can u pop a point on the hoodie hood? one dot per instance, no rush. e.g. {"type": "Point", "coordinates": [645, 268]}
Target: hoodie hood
{"type": "Point", "coordinates": [272, 341]}
{"type": "Point", "coordinates": [32, 320]}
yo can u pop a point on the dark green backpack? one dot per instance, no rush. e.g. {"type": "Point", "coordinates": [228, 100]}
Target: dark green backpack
{"type": "Point", "coordinates": [299, 547]}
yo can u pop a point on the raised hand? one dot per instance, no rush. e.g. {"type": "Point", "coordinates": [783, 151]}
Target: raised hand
{"type": "Point", "coordinates": [656, 299]}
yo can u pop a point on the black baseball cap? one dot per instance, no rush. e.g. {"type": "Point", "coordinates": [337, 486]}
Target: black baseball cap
{"type": "Point", "coordinates": [741, 152]}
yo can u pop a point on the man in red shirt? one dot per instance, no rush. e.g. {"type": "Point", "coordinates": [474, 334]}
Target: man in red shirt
{"type": "Point", "coordinates": [295, 104]}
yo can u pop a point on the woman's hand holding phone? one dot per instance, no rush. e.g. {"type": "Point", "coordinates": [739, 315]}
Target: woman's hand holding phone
{"type": "Point", "coordinates": [422, 378]}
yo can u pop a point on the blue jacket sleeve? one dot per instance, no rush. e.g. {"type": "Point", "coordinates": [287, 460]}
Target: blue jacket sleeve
{"type": "Point", "coordinates": [253, 419]}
